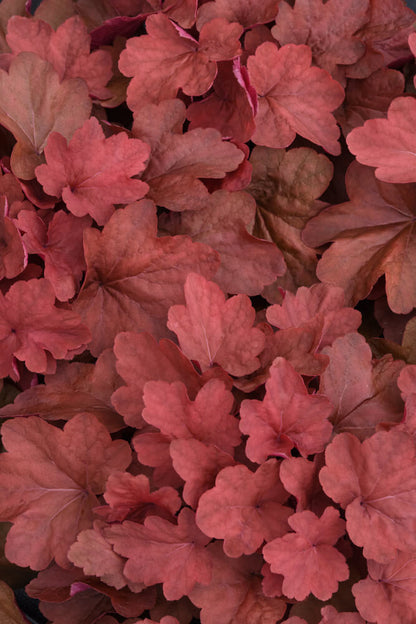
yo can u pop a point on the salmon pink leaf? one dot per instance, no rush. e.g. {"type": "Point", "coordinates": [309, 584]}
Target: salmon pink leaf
{"type": "Point", "coordinates": [92, 173]}
{"type": "Point", "coordinates": [375, 482]}
{"type": "Point", "coordinates": [288, 416]}
{"type": "Point", "coordinates": [294, 98]}
{"type": "Point", "coordinates": [133, 277]}
{"type": "Point", "coordinates": [49, 482]}
{"type": "Point", "coordinates": [212, 329]}
{"type": "Point", "coordinates": [307, 558]}
{"type": "Point", "coordinates": [162, 552]}
{"type": "Point", "coordinates": [388, 144]}
{"type": "Point", "coordinates": [34, 330]}
{"type": "Point", "coordinates": [244, 508]}
{"type": "Point", "coordinates": [67, 49]}
{"type": "Point", "coordinates": [13, 255]}
{"type": "Point", "coordinates": [140, 358]}
{"type": "Point", "coordinates": [242, 11]}
{"type": "Point", "coordinates": [59, 244]}
{"type": "Point", "coordinates": [32, 90]}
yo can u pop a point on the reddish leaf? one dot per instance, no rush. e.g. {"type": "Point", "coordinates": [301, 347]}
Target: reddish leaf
{"type": "Point", "coordinates": [288, 416]}
{"type": "Point", "coordinates": [60, 246]}
{"type": "Point", "coordinates": [234, 595]}
{"type": "Point", "coordinates": [369, 98]}
{"type": "Point", "coordinates": [33, 330]}
{"type": "Point", "coordinates": [13, 256]}
{"type": "Point", "coordinates": [293, 102]}
{"type": "Point", "coordinates": [67, 49]}
{"type": "Point", "coordinates": [63, 108]}
{"type": "Point", "coordinates": [388, 594]}
{"type": "Point", "coordinates": [385, 36]}
{"type": "Point", "coordinates": [161, 552]}
{"type": "Point", "coordinates": [242, 11]}
{"type": "Point", "coordinates": [133, 277]}
{"type": "Point", "coordinates": [388, 144]}
{"type": "Point", "coordinates": [230, 108]}
{"type": "Point", "coordinates": [376, 232]}
{"type": "Point", "coordinates": [247, 263]}
{"type": "Point", "coordinates": [140, 359]}
{"type": "Point", "coordinates": [244, 508]}
{"type": "Point", "coordinates": [92, 173]}
{"type": "Point", "coordinates": [307, 558]}
{"type": "Point", "coordinates": [286, 185]}
{"type": "Point", "coordinates": [168, 58]}
{"type": "Point", "coordinates": [129, 497]}
{"type": "Point", "coordinates": [208, 418]}
{"type": "Point", "coordinates": [328, 28]}
{"type": "Point", "coordinates": [375, 482]}
{"type": "Point", "coordinates": [49, 482]}
{"type": "Point", "coordinates": [331, 616]}
{"type": "Point", "coordinates": [178, 160]}
{"type": "Point", "coordinates": [363, 394]}
{"type": "Point", "coordinates": [407, 381]}
{"type": "Point", "coordinates": [75, 387]}
{"type": "Point", "coordinates": [300, 477]}
{"type": "Point", "coordinates": [212, 329]}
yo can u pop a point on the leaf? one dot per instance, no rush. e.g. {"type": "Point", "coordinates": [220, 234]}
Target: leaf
{"type": "Point", "coordinates": [331, 29]}
{"type": "Point", "coordinates": [133, 277]}
{"type": "Point", "coordinates": [49, 482]}
{"type": "Point", "coordinates": [247, 263]}
{"type": "Point", "coordinates": [242, 11]}
{"type": "Point", "coordinates": [167, 58]}
{"type": "Point", "coordinates": [10, 614]}
{"type": "Point", "coordinates": [375, 482]}
{"type": "Point", "coordinates": [388, 144]}
{"type": "Point", "coordinates": [34, 330]}
{"type": "Point", "coordinates": [244, 508]}
{"type": "Point", "coordinates": [92, 173]}
{"type": "Point", "coordinates": [59, 244]}
{"type": "Point", "coordinates": [299, 101]}
{"type": "Point", "coordinates": [140, 358]}
{"type": "Point", "coordinates": [212, 329]}
{"type": "Point", "coordinates": [387, 595]}
{"type": "Point", "coordinates": [161, 552]}
{"type": "Point", "coordinates": [13, 256]}
{"type": "Point", "coordinates": [35, 103]}
{"type": "Point", "coordinates": [307, 558]}
{"type": "Point", "coordinates": [288, 416]}
{"type": "Point", "coordinates": [75, 387]}
{"type": "Point", "coordinates": [364, 394]}
{"type": "Point", "coordinates": [177, 160]}
{"type": "Point", "coordinates": [67, 49]}
{"type": "Point", "coordinates": [286, 185]}
{"type": "Point", "coordinates": [374, 234]}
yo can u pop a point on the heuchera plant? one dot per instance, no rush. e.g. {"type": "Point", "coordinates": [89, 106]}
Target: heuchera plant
{"type": "Point", "coordinates": [208, 310]}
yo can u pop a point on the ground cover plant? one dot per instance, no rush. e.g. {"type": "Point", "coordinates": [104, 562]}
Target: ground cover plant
{"type": "Point", "coordinates": [208, 326]}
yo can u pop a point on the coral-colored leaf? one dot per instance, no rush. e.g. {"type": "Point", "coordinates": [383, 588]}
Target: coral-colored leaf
{"type": "Point", "coordinates": [168, 58]}
{"type": "Point", "coordinates": [388, 144]}
{"type": "Point", "coordinates": [140, 358]}
{"type": "Point", "coordinates": [364, 394]}
{"type": "Point", "coordinates": [49, 482]}
{"type": "Point", "coordinates": [388, 594]}
{"type": "Point", "coordinates": [63, 107]}
{"type": "Point", "coordinates": [35, 331]}
{"type": "Point", "coordinates": [162, 552]}
{"type": "Point", "coordinates": [59, 244]}
{"type": "Point", "coordinates": [294, 98]}
{"type": "Point", "coordinates": [133, 277]}
{"type": "Point", "coordinates": [328, 28]}
{"type": "Point", "coordinates": [67, 49]}
{"type": "Point", "coordinates": [307, 558]}
{"type": "Point", "coordinates": [288, 416]}
{"type": "Point", "coordinates": [374, 234]}
{"type": "Point", "coordinates": [92, 173]}
{"type": "Point", "coordinates": [75, 387]}
{"type": "Point", "coordinates": [375, 482]}
{"type": "Point", "coordinates": [242, 11]}
{"type": "Point", "coordinates": [247, 263]}
{"type": "Point", "coordinates": [212, 329]}
{"type": "Point", "coordinates": [13, 256]}
{"type": "Point", "coordinates": [244, 508]}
